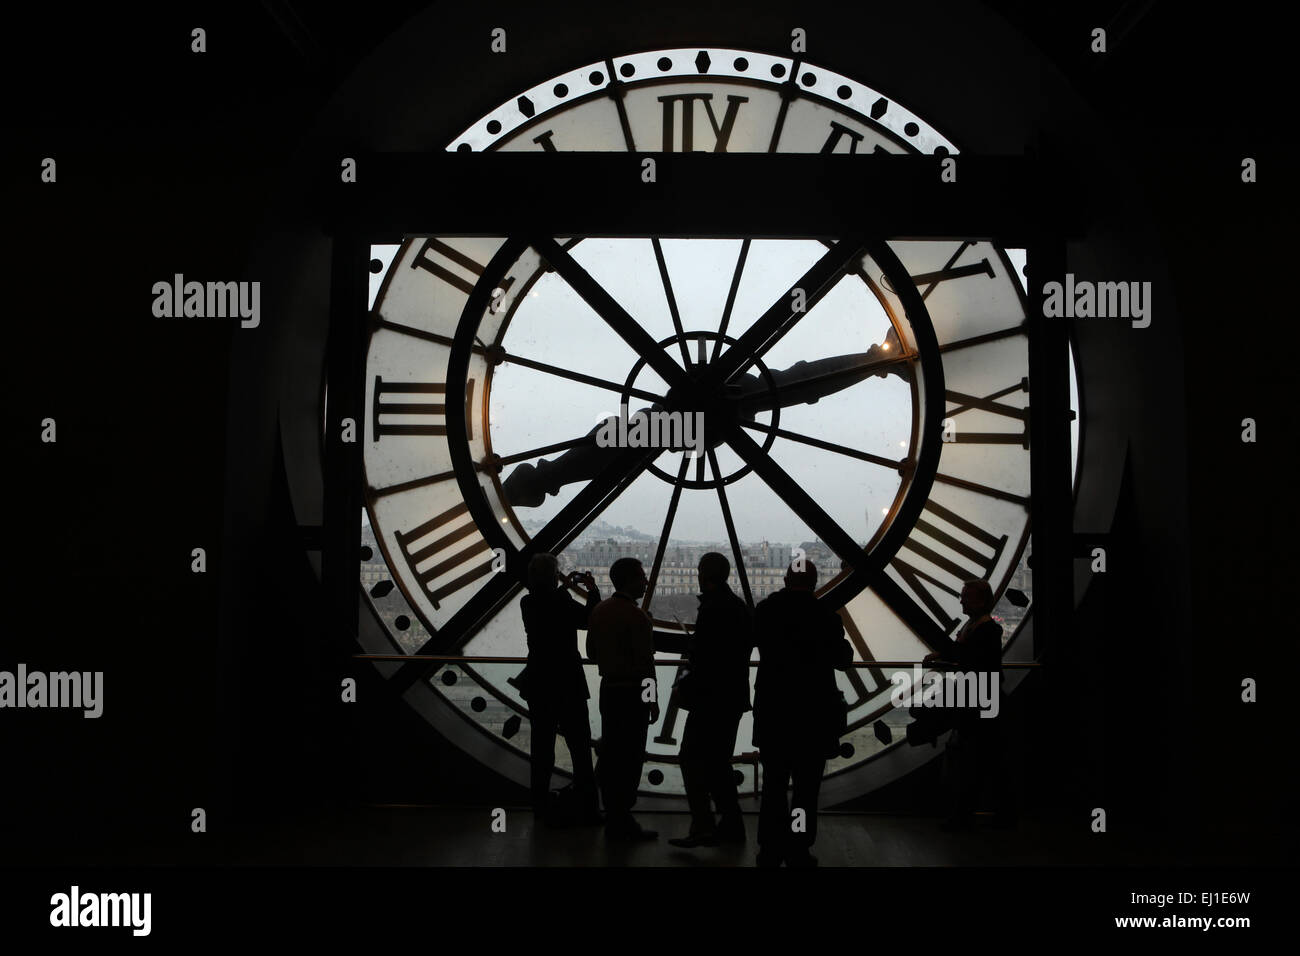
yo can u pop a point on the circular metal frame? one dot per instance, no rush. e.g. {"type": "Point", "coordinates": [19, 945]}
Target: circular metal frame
{"type": "Point", "coordinates": [767, 443]}
{"type": "Point", "coordinates": [867, 567]}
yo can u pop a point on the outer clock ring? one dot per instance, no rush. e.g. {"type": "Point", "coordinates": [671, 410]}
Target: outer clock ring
{"type": "Point", "coordinates": [510, 120]}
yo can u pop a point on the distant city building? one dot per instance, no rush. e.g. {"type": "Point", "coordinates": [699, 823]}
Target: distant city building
{"type": "Point", "coordinates": [765, 563]}
{"type": "Point", "coordinates": [677, 583]}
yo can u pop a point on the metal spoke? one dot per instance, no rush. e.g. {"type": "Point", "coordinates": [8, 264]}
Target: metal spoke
{"type": "Point", "coordinates": [781, 318]}
{"type": "Point", "coordinates": [584, 508]}
{"type": "Point", "coordinates": [400, 487]}
{"type": "Point", "coordinates": [615, 91]}
{"type": "Point", "coordinates": [731, 528]}
{"type": "Point", "coordinates": [672, 300]}
{"type": "Point", "coordinates": [985, 337]}
{"type": "Point", "coordinates": [415, 333]}
{"type": "Point", "coordinates": [495, 592]}
{"type": "Point", "coordinates": [536, 452]}
{"type": "Point", "coordinates": [920, 623]}
{"type": "Point", "coordinates": [587, 505]}
{"type": "Point", "coordinates": [982, 489]}
{"type": "Point", "coordinates": [892, 463]}
{"type": "Point", "coordinates": [988, 403]}
{"type": "Point", "coordinates": [786, 97]}
{"type": "Point", "coordinates": [802, 503]}
{"type": "Point", "coordinates": [663, 538]}
{"type": "Point", "coordinates": [615, 316]}
{"type": "Point", "coordinates": [731, 297]}
{"type": "Point", "coordinates": [580, 377]}
{"type": "Point", "coordinates": [504, 356]}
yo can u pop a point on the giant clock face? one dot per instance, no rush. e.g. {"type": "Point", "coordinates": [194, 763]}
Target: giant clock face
{"type": "Point", "coordinates": [876, 418]}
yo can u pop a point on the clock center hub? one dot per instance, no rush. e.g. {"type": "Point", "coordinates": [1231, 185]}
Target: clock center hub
{"type": "Point", "coordinates": [718, 409]}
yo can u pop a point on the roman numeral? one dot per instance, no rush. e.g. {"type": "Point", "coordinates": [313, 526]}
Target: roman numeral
{"type": "Point", "coordinates": [989, 403]}
{"type": "Point", "coordinates": [927, 282]}
{"type": "Point", "coordinates": [860, 690]}
{"type": "Point", "coordinates": [932, 279]}
{"type": "Point", "coordinates": [401, 487]}
{"type": "Point", "coordinates": [544, 140]}
{"type": "Point", "coordinates": [440, 259]}
{"type": "Point", "coordinates": [671, 710]}
{"type": "Point", "coordinates": [447, 530]}
{"type": "Point", "coordinates": [436, 256]}
{"type": "Point", "coordinates": [838, 132]}
{"type": "Point", "coordinates": [722, 131]}
{"type": "Point", "coordinates": [433, 410]}
{"type": "Point", "coordinates": [979, 553]}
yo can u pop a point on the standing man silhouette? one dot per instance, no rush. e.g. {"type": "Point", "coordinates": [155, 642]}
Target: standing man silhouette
{"type": "Point", "coordinates": [554, 684]}
{"type": "Point", "coordinates": [973, 754]}
{"type": "Point", "coordinates": [797, 712]}
{"type": "Point", "coordinates": [620, 640]}
{"type": "Point", "coordinates": [715, 693]}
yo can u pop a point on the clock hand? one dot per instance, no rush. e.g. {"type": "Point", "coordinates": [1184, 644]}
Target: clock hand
{"type": "Point", "coordinates": [528, 485]}
{"type": "Point", "coordinates": [802, 383]}
{"type": "Point", "coordinates": [806, 382]}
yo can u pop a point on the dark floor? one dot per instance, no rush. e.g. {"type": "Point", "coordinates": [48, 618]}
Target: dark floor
{"type": "Point", "coordinates": [441, 836]}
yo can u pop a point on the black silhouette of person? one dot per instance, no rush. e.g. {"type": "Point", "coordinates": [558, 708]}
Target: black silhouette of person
{"type": "Point", "coordinates": [714, 693]}
{"type": "Point", "coordinates": [555, 686]}
{"type": "Point", "coordinates": [620, 641]}
{"type": "Point", "coordinates": [973, 752]}
{"type": "Point", "coordinates": [798, 711]}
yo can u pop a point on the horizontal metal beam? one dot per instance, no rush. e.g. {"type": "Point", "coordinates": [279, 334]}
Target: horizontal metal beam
{"type": "Point", "coordinates": [999, 198]}
{"type": "Point", "coordinates": [454, 659]}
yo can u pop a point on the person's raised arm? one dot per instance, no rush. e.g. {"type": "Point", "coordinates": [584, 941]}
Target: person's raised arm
{"type": "Point", "coordinates": [581, 612]}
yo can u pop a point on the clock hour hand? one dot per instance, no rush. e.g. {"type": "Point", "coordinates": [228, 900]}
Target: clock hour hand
{"type": "Point", "coordinates": [528, 485]}
{"type": "Point", "coordinates": [804, 383]}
